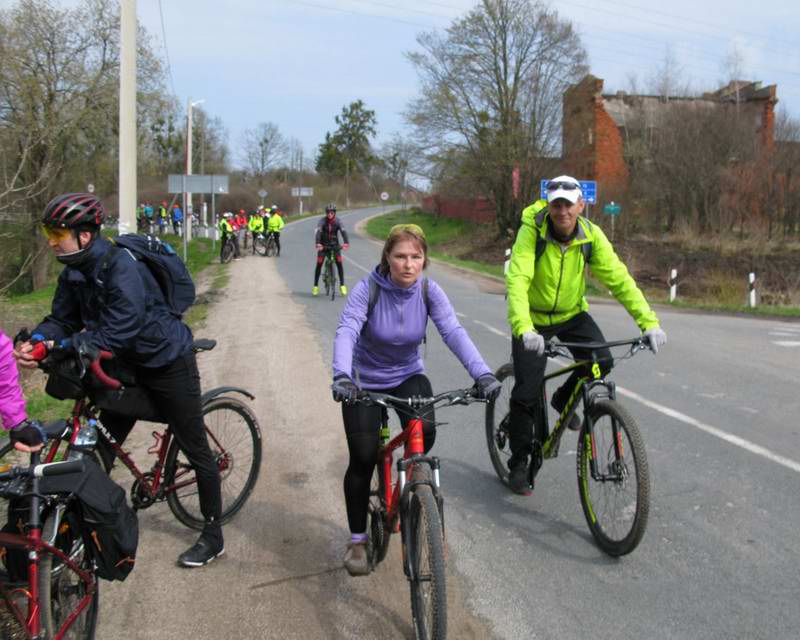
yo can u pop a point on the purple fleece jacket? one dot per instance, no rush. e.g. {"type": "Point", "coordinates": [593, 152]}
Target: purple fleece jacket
{"type": "Point", "coordinates": [386, 352]}
{"type": "Point", "coordinates": [12, 403]}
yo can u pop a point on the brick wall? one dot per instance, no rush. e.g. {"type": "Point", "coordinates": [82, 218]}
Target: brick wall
{"type": "Point", "coordinates": [480, 210]}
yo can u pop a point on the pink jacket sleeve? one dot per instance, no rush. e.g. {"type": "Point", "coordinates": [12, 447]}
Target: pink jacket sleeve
{"type": "Point", "coordinates": [12, 403]}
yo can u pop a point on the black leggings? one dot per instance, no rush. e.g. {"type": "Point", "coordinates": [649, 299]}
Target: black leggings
{"type": "Point", "coordinates": [362, 426]}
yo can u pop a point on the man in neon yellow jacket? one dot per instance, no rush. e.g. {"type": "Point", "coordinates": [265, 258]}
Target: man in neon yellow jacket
{"type": "Point", "coordinates": [546, 286]}
{"type": "Point", "coordinates": [256, 226]}
{"type": "Point", "coordinates": [274, 226]}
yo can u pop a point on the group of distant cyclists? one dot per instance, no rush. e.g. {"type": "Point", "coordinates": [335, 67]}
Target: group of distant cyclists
{"type": "Point", "coordinates": [376, 345]}
{"type": "Point", "coordinates": [150, 219]}
{"type": "Point", "coordinates": [262, 222]}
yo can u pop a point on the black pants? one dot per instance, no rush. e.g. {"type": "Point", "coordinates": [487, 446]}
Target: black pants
{"type": "Point", "coordinates": [321, 259]}
{"type": "Point", "coordinates": [529, 372]}
{"type": "Point", "coordinates": [362, 427]}
{"type": "Point", "coordinates": [255, 235]}
{"type": "Point", "coordinates": [277, 236]}
{"type": "Point", "coordinates": [175, 390]}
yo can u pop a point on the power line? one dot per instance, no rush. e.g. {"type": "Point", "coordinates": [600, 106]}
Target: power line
{"type": "Point", "coordinates": [358, 13]}
{"type": "Point", "coordinates": [166, 50]}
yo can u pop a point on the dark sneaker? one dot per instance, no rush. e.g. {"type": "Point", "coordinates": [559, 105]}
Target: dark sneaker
{"type": "Point", "coordinates": [518, 480]}
{"type": "Point", "coordinates": [355, 559]}
{"type": "Point", "coordinates": [202, 552]}
{"type": "Point", "coordinates": [574, 423]}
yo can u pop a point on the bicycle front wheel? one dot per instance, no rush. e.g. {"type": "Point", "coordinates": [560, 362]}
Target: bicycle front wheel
{"type": "Point", "coordinates": [332, 279]}
{"type": "Point", "coordinates": [425, 549]}
{"type": "Point", "coordinates": [616, 503]}
{"type": "Point", "coordinates": [497, 416]}
{"type": "Point", "coordinates": [272, 248]}
{"type": "Point", "coordinates": [226, 255]}
{"type": "Point", "coordinates": [260, 245]}
{"type": "Point", "coordinates": [235, 440]}
{"type": "Point", "coordinates": [60, 588]}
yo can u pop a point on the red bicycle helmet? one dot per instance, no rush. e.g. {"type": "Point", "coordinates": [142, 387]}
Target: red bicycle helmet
{"type": "Point", "coordinates": [73, 210]}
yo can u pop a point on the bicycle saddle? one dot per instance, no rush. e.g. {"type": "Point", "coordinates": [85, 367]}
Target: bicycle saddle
{"type": "Point", "coordinates": [204, 344]}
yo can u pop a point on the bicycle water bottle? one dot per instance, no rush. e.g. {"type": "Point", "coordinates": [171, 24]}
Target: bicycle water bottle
{"type": "Point", "coordinates": [384, 433]}
{"type": "Point", "coordinates": [85, 441]}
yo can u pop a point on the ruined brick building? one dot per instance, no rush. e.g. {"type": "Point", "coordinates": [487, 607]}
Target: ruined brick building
{"type": "Point", "coordinates": [596, 125]}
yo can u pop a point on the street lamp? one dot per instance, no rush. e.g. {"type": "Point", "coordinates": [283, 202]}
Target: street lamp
{"type": "Point", "coordinates": [187, 201]}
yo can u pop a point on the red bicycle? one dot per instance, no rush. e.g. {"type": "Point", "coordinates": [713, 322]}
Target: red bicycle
{"type": "Point", "coordinates": [412, 504]}
{"type": "Point", "coordinates": [56, 595]}
{"type": "Point", "coordinates": [231, 427]}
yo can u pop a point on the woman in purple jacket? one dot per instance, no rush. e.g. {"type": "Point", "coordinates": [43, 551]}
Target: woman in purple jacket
{"type": "Point", "coordinates": [379, 349]}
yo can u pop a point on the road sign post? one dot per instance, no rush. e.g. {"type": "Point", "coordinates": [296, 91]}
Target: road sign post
{"type": "Point", "coordinates": [612, 209]}
{"type": "Point", "coordinates": [300, 193]}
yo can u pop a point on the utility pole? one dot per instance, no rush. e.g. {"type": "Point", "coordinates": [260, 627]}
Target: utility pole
{"type": "Point", "coordinates": [127, 118]}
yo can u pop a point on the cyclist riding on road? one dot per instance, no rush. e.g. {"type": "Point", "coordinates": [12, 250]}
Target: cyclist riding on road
{"type": "Point", "coordinates": [326, 239]}
{"type": "Point", "coordinates": [274, 227]}
{"type": "Point", "coordinates": [377, 345]}
{"type": "Point", "coordinates": [546, 285]}
{"type": "Point", "coordinates": [108, 300]}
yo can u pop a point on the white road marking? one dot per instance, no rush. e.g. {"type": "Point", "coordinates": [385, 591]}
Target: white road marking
{"type": "Point", "coordinates": [355, 264]}
{"type": "Point", "coordinates": [461, 315]}
{"type": "Point", "coordinates": [489, 327]}
{"type": "Point", "coordinates": [787, 343]}
{"type": "Point", "coordinates": [783, 334]}
{"type": "Point", "coordinates": [714, 431]}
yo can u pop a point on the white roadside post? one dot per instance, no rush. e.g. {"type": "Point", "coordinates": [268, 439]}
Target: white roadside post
{"type": "Point", "coordinates": [673, 285]}
{"type": "Point", "coordinates": [506, 264]}
{"type": "Point", "coordinates": [751, 298]}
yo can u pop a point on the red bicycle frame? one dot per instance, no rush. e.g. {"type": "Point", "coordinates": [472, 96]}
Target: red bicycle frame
{"type": "Point", "coordinates": [414, 444]}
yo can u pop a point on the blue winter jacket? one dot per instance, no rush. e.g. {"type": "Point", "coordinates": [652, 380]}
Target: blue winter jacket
{"type": "Point", "coordinates": [121, 309]}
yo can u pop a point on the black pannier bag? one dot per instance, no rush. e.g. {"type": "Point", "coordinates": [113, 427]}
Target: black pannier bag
{"type": "Point", "coordinates": [109, 526]}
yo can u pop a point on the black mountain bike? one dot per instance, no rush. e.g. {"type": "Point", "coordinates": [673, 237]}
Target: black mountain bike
{"type": "Point", "coordinates": [260, 244]}
{"type": "Point", "coordinates": [228, 249]}
{"type": "Point", "coordinates": [613, 477]}
{"type": "Point", "coordinates": [272, 246]}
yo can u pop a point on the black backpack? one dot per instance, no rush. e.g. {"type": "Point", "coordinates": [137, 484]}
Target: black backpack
{"type": "Point", "coordinates": [168, 269]}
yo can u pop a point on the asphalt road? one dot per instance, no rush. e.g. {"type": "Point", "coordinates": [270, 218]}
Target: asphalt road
{"type": "Point", "coordinates": [718, 408]}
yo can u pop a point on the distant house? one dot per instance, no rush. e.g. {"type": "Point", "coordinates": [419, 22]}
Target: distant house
{"type": "Point", "coordinates": [596, 125]}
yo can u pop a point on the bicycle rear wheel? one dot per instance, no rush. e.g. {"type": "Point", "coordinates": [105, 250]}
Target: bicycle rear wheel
{"type": "Point", "coordinates": [235, 440]}
{"type": "Point", "coordinates": [617, 504]}
{"type": "Point", "coordinates": [332, 279]}
{"type": "Point", "coordinates": [425, 549]}
{"type": "Point", "coordinates": [376, 521]}
{"type": "Point", "coordinates": [497, 414]}
{"type": "Point", "coordinates": [260, 245]}
{"type": "Point", "coordinates": [60, 588]}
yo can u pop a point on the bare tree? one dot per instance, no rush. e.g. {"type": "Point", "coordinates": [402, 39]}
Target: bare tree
{"type": "Point", "coordinates": [490, 96]}
{"type": "Point", "coordinates": [262, 148]}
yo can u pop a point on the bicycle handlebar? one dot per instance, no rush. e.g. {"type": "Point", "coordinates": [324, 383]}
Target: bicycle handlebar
{"type": "Point", "coordinates": [552, 349]}
{"type": "Point", "coordinates": [47, 469]}
{"type": "Point", "coordinates": [456, 396]}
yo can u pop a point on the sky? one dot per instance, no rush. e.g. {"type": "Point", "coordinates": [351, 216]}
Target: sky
{"type": "Point", "coordinates": [298, 62]}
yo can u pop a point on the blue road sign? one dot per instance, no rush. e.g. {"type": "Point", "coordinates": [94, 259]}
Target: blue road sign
{"type": "Point", "coordinates": [588, 187]}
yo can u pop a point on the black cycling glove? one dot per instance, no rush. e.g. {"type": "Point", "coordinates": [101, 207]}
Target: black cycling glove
{"type": "Point", "coordinates": [344, 390]}
{"type": "Point", "coordinates": [488, 387]}
{"type": "Point", "coordinates": [29, 433]}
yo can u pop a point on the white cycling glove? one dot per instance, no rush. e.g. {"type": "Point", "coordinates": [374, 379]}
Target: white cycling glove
{"type": "Point", "coordinates": [656, 337]}
{"type": "Point", "coordinates": [533, 341]}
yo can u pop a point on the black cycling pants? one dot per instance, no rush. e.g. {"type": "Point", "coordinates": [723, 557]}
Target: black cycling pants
{"type": "Point", "coordinates": [175, 390]}
{"type": "Point", "coordinates": [362, 427]}
{"type": "Point", "coordinates": [321, 259]}
{"type": "Point", "coordinates": [529, 372]}
{"type": "Point", "coordinates": [277, 236]}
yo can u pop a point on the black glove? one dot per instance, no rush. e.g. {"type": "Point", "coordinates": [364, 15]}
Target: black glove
{"type": "Point", "coordinates": [343, 389]}
{"type": "Point", "coordinates": [488, 387]}
{"type": "Point", "coordinates": [29, 433]}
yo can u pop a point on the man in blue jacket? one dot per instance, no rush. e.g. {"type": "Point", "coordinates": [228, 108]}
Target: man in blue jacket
{"type": "Point", "coordinates": [116, 305]}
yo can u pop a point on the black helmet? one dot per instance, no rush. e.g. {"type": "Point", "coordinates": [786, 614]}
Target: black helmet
{"type": "Point", "coordinates": [73, 211]}
{"type": "Point", "coordinates": [330, 207]}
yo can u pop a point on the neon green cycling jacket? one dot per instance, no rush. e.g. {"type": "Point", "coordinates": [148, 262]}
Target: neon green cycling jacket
{"type": "Point", "coordinates": [551, 290]}
{"type": "Point", "coordinates": [275, 223]}
{"type": "Point", "coordinates": [256, 224]}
